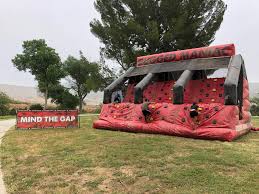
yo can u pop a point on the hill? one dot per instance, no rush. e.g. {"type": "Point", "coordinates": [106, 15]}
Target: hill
{"type": "Point", "coordinates": [31, 94]}
{"type": "Point", "coordinates": [22, 93]}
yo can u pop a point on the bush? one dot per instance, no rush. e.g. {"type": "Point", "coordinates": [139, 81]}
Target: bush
{"type": "Point", "coordinates": [4, 101]}
{"type": "Point", "coordinates": [255, 106]}
{"type": "Point", "coordinates": [12, 111]}
{"type": "Point", "coordinates": [3, 110]}
{"type": "Point", "coordinates": [36, 107]}
{"type": "Point", "coordinates": [255, 110]}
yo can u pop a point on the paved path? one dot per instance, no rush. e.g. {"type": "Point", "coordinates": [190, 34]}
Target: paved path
{"type": "Point", "coordinates": [4, 127]}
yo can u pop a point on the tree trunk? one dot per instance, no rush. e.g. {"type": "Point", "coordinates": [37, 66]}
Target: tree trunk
{"type": "Point", "coordinates": [46, 98]}
{"type": "Point", "coordinates": [80, 104]}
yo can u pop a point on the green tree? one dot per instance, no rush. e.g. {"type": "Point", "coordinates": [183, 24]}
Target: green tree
{"type": "Point", "coordinates": [84, 77]}
{"type": "Point", "coordinates": [4, 101]}
{"type": "Point", "coordinates": [130, 28]}
{"type": "Point", "coordinates": [62, 97]}
{"type": "Point", "coordinates": [41, 61]}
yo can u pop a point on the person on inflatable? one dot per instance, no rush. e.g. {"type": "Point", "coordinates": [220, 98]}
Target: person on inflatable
{"type": "Point", "coordinates": [146, 112]}
{"type": "Point", "coordinates": [194, 112]}
{"type": "Point", "coordinates": [117, 99]}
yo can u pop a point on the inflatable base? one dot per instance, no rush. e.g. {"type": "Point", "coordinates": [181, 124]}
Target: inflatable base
{"type": "Point", "coordinates": [216, 121]}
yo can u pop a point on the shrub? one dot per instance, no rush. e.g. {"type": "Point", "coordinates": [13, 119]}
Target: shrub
{"type": "Point", "coordinates": [4, 101]}
{"type": "Point", "coordinates": [255, 106]}
{"type": "Point", "coordinates": [3, 110]}
{"type": "Point", "coordinates": [36, 107]}
{"type": "Point", "coordinates": [255, 110]}
{"type": "Point", "coordinates": [12, 111]}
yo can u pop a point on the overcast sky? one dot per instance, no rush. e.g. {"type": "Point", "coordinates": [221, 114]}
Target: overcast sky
{"type": "Point", "coordinates": [64, 24]}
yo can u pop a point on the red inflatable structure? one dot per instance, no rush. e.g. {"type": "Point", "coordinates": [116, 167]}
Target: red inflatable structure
{"type": "Point", "coordinates": [171, 83]}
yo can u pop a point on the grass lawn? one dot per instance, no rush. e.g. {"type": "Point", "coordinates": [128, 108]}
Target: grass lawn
{"type": "Point", "coordinates": [86, 160]}
{"type": "Point", "coordinates": [7, 117]}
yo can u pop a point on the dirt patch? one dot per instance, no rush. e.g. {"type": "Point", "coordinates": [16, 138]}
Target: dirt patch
{"type": "Point", "coordinates": [107, 175]}
{"type": "Point", "coordinates": [92, 179]}
{"type": "Point", "coordinates": [128, 171]}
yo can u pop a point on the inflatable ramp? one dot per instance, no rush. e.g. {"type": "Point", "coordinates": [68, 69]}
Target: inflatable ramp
{"type": "Point", "coordinates": [169, 83]}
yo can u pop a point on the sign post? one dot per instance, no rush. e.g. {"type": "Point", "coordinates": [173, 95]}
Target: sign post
{"type": "Point", "coordinates": [47, 119]}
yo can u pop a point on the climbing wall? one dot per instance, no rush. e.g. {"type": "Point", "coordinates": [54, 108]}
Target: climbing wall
{"type": "Point", "coordinates": [205, 91]}
{"type": "Point", "coordinates": [155, 92]}
{"type": "Point", "coordinates": [159, 92]}
{"type": "Point", "coordinates": [200, 91]}
{"type": "Point", "coordinates": [129, 96]}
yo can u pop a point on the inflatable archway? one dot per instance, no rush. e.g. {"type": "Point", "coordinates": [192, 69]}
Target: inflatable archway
{"type": "Point", "coordinates": [171, 82]}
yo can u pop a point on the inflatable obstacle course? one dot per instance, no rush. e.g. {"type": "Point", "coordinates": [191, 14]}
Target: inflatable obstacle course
{"type": "Point", "coordinates": [170, 83]}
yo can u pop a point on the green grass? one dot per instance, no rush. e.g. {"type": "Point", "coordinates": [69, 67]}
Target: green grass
{"type": "Point", "coordinates": [7, 117]}
{"type": "Point", "coordinates": [86, 160]}
{"type": "Point", "coordinates": [256, 121]}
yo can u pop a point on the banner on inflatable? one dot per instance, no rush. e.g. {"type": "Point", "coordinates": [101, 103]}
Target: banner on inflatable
{"type": "Point", "coordinates": [47, 119]}
{"type": "Point", "coordinates": [205, 52]}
